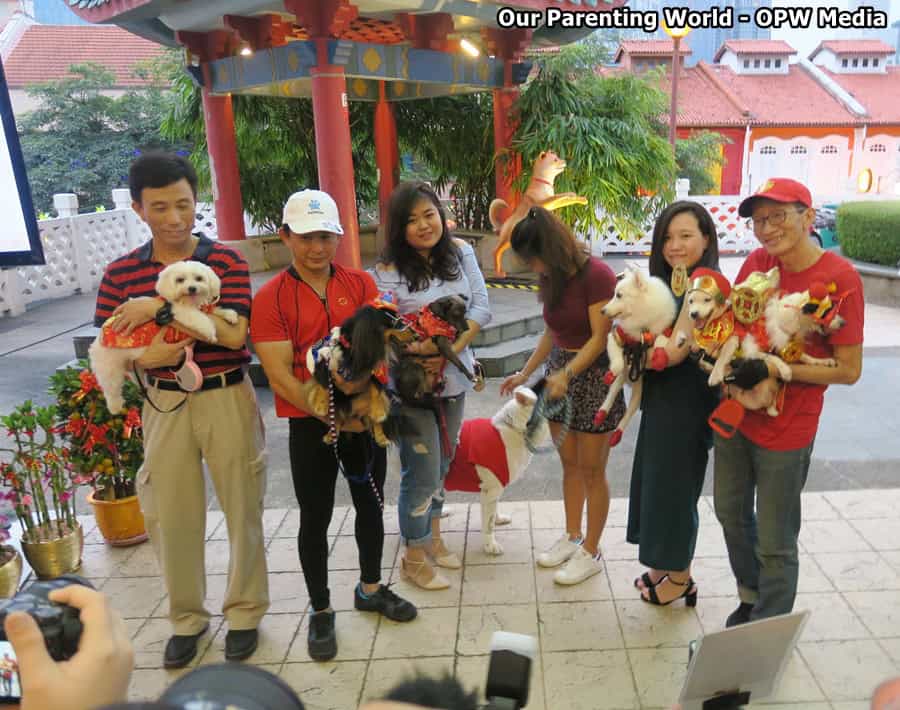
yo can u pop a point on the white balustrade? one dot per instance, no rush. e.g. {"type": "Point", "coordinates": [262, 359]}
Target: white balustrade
{"type": "Point", "coordinates": [77, 248]}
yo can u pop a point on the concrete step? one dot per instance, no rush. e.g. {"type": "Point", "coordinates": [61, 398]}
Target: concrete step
{"type": "Point", "coordinates": [506, 329]}
{"type": "Point", "coordinates": [506, 357]}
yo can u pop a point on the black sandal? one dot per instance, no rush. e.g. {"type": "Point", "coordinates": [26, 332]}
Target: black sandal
{"type": "Point", "coordinates": [647, 580]}
{"type": "Point", "coordinates": [689, 594]}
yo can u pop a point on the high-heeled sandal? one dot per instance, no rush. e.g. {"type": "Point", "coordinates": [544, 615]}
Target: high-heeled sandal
{"type": "Point", "coordinates": [417, 573]}
{"type": "Point", "coordinates": [443, 557]}
{"type": "Point", "coordinates": [647, 580]}
{"type": "Point", "coordinates": [689, 594]}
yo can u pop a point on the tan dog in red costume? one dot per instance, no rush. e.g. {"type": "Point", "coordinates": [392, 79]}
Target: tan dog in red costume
{"type": "Point", "coordinates": [539, 193]}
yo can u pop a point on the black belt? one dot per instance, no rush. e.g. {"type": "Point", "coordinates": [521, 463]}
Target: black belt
{"type": "Point", "coordinates": [212, 382]}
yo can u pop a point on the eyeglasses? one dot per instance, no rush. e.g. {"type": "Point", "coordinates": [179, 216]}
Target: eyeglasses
{"type": "Point", "coordinates": [775, 219]}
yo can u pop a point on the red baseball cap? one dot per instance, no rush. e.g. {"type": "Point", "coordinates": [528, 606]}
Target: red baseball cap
{"type": "Point", "coordinates": [780, 190]}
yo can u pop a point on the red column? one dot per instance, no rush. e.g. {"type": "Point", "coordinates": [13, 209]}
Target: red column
{"type": "Point", "coordinates": [332, 124]}
{"type": "Point", "coordinates": [223, 166]}
{"type": "Point", "coordinates": [505, 171]}
{"type": "Point", "coordinates": [386, 152]}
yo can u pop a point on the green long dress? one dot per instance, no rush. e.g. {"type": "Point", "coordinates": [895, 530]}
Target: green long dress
{"type": "Point", "coordinates": [670, 464]}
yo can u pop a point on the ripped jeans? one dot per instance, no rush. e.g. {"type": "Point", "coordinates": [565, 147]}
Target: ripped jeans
{"type": "Point", "coordinates": [423, 468]}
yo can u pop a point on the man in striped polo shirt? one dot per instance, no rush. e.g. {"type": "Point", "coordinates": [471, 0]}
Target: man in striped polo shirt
{"type": "Point", "coordinates": [219, 424]}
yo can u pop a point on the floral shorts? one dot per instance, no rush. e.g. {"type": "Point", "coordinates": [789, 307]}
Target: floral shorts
{"type": "Point", "coordinates": [587, 392]}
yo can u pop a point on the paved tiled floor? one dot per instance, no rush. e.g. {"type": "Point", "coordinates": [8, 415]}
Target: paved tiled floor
{"type": "Point", "coordinates": [600, 646]}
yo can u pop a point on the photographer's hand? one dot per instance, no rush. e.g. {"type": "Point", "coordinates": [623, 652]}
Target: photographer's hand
{"type": "Point", "coordinates": [95, 676]}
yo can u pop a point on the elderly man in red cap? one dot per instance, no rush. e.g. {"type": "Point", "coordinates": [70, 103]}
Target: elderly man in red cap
{"type": "Point", "coordinates": [768, 458]}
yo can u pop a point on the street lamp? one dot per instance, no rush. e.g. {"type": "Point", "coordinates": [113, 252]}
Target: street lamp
{"type": "Point", "coordinates": [676, 33]}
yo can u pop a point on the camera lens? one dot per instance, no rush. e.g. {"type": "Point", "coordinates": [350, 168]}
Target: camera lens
{"type": "Point", "coordinates": [231, 686]}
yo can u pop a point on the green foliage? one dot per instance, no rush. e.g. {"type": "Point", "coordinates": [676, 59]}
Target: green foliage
{"type": "Point", "coordinates": [608, 131]}
{"type": "Point", "coordinates": [276, 147]}
{"type": "Point", "coordinates": [453, 136]}
{"type": "Point", "coordinates": [80, 140]}
{"type": "Point", "coordinates": [870, 231]}
{"type": "Point", "coordinates": [697, 157]}
{"type": "Point", "coordinates": [37, 472]}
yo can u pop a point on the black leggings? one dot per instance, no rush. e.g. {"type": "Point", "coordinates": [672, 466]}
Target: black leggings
{"type": "Point", "coordinates": [314, 470]}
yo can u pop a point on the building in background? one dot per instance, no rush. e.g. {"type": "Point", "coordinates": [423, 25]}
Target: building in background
{"type": "Point", "coordinates": [704, 42]}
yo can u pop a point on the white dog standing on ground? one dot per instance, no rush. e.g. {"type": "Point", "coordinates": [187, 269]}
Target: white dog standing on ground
{"type": "Point", "coordinates": [492, 453]}
{"type": "Point", "coordinates": [191, 288]}
{"type": "Point", "coordinates": [643, 310]}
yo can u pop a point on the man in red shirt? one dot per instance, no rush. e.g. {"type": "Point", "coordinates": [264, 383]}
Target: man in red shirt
{"type": "Point", "coordinates": [290, 313]}
{"type": "Point", "coordinates": [769, 456]}
{"type": "Point", "coordinates": [219, 424]}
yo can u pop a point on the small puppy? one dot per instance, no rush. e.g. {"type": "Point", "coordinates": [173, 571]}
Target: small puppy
{"type": "Point", "coordinates": [441, 321]}
{"type": "Point", "coordinates": [193, 290]}
{"type": "Point", "coordinates": [494, 452]}
{"type": "Point", "coordinates": [643, 309]}
{"type": "Point", "coordinates": [354, 350]}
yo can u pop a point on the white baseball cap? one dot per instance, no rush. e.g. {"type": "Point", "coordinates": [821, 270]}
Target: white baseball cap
{"type": "Point", "coordinates": [312, 211]}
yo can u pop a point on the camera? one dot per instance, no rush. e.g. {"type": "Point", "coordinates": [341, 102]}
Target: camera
{"type": "Point", "coordinates": [59, 623]}
{"type": "Point", "coordinates": [509, 670]}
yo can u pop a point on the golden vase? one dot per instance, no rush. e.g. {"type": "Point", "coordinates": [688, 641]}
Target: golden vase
{"type": "Point", "coordinates": [54, 556]}
{"type": "Point", "coordinates": [121, 521]}
{"type": "Point", "coordinates": [10, 574]}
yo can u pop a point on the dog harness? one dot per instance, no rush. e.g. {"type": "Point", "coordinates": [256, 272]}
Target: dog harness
{"type": "Point", "coordinates": [715, 333]}
{"type": "Point", "coordinates": [480, 444]}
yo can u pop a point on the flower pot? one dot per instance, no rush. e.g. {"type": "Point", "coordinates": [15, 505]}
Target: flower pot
{"type": "Point", "coordinates": [121, 522]}
{"type": "Point", "coordinates": [10, 574]}
{"type": "Point", "coordinates": [57, 555]}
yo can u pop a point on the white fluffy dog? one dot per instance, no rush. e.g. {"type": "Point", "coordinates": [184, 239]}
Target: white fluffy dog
{"type": "Point", "coordinates": [192, 288]}
{"type": "Point", "coordinates": [494, 452]}
{"type": "Point", "coordinates": [643, 309]}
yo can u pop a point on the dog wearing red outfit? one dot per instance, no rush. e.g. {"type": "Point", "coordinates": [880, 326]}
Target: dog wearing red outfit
{"type": "Point", "coordinates": [494, 452]}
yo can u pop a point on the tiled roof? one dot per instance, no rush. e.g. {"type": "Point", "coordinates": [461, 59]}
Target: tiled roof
{"type": "Point", "coordinates": [791, 99]}
{"type": "Point", "coordinates": [755, 46]}
{"type": "Point", "coordinates": [854, 46]}
{"type": "Point", "coordinates": [877, 92]}
{"type": "Point", "coordinates": [45, 53]}
{"type": "Point", "coordinates": [650, 47]}
{"type": "Point", "coordinates": [703, 102]}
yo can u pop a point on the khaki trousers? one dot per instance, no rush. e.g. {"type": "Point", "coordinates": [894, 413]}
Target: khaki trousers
{"type": "Point", "coordinates": [222, 427]}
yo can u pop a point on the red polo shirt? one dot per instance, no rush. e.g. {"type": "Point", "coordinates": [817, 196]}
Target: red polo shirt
{"type": "Point", "coordinates": [287, 308]}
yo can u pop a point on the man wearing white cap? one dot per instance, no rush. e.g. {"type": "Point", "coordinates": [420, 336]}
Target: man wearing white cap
{"type": "Point", "coordinates": [290, 313]}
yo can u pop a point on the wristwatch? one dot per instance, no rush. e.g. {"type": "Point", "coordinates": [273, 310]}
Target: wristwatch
{"type": "Point", "coordinates": [164, 314]}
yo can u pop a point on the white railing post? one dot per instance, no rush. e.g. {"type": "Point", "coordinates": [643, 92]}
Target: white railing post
{"type": "Point", "coordinates": [682, 188]}
{"type": "Point", "coordinates": [65, 204]}
{"type": "Point", "coordinates": [12, 286]}
{"type": "Point", "coordinates": [122, 200]}
{"type": "Point", "coordinates": [121, 197]}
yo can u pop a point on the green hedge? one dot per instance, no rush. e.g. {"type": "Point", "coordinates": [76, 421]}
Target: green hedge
{"type": "Point", "coordinates": [870, 231]}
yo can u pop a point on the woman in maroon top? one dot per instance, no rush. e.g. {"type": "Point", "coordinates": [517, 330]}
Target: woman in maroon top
{"type": "Point", "coordinates": [574, 288]}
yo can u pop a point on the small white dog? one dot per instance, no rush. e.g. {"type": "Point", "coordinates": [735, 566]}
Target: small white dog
{"type": "Point", "coordinates": [192, 288]}
{"type": "Point", "coordinates": [643, 309]}
{"type": "Point", "coordinates": [494, 452]}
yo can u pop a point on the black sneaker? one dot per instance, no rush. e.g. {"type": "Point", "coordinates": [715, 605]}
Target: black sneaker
{"type": "Point", "coordinates": [739, 616]}
{"type": "Point", "coordinates": [386, 603]}
{"type": "Point", "coordinates": [240, 644]}
{"type": "Point", "coordinates": [181, 649]}
{"type": "Point", "coordinates": [321, 642]}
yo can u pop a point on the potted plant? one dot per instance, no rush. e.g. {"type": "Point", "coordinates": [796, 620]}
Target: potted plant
{"type": "Point", "coordinates": [40, 484]}
{"type": "Point", "coordinates": [106, 450]}
{"type": "Point", "coordinates": [10, 562]}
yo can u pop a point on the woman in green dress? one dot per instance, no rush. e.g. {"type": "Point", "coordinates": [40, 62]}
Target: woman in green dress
{"type": "Point", "coordinates": [674, 438]}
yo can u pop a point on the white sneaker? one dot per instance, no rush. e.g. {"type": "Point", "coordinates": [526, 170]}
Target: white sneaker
{"type": "Point", "coordinates": [580, 567]}
{"type": "Point", "coordinates": [561, 551]}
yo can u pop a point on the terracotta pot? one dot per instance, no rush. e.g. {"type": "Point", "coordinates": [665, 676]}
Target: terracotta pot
{"type": "Point", "coordinates": [10, 574]}
{"type": "Point", "coordinates": [121, 522]}
{"type": "Point", "coordinates": [56, 556]}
